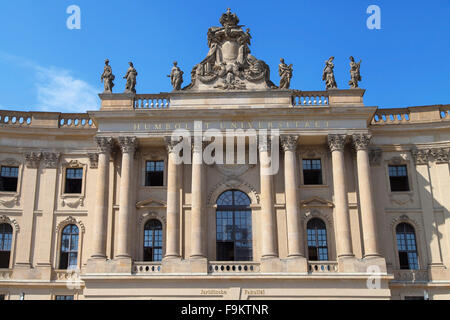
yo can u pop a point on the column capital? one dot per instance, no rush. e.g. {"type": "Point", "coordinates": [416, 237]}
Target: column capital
{"type": "Point", "coordinates": [199, 146]}
{"type": "Point", "coordinates": [420, 156]}
{"type": "Point", "coordinates": [289, 142]}
{"type": "Point", "coordinates": [440, 155]}
{"type": "Point", "coordinates": [104, 144]}
{"type": "Point", "coordinates": [361, 141]}
{"type": "Point", "coordinates": [33, 159]}
{"type": "Point", "coordinates": [264, 143]}
{"type": "Point", "coordinates": [171, 143]}
{"type": "Point", "coordinates": [128, 144]}
{"type": "Point", "coordinates": [51, 159]}
{"type": "Point", "coordinates": [336, 142]}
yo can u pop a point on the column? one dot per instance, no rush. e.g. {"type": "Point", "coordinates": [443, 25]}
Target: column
{"type": "Point", "coordinates": [25, 236]}
{"type": "Point", "coordinates": [104, 145]}
{"type": "Point", "coordinates": [128, 146]}
{"type": "Point", "coordinates": [198, 231]}
{"type": "Point", "coordinates": [336, 143]}
{"type": "Point", "coordinates": [173, 207]}
{"type": "Point", "coordinates": [368, 214]}
{"type": "Point", "coordinates": [268, 223]}
{"type": "Point", "coordinates": [295, 236]}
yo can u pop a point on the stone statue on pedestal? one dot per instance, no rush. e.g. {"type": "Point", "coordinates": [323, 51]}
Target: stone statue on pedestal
{"type": "Point", "coordinates": [285, 72]}
{"type": "Point", "coordinates": [131, 79]}
{"type": "Point", "coordinates": [108, 77]}
{"type": "Point", "coordinates": [328, 74]}
{"type": "Point", "coordinates": [176, 77]}
{"type": "Point", "coordinates": [354, 72]}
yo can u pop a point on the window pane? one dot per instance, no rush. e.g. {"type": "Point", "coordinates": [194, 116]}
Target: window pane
{"type": "Point", "coordinates": [312, 172]}
{"type": "Point", "coordinates": [317, 240]}
{"type": "Point", "coordinates": [398, 178]}
{"type": "Point", "coordinates": [406, 245]}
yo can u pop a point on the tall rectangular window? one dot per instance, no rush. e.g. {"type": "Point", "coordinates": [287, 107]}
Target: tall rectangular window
{"type": "Point", "coordinates": [312, 172]}
{"type": "Point", "coordinates": [398, 178]}
{"type": "Point", "coordinates": [74, 179]}
{"type": "Point", "coordinates": [154, 174]}
{"type": "Point", "coordinates": [8, 179]}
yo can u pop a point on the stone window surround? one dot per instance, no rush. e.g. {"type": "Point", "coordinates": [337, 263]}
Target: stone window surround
{"type": "Point", "coordinates": [73, 164]}
{"type": "Point", "coordinates": [58, 232]}
{"type": "Point", "coordinates": [15, 228]}
{"type": "Point", "coordinates": [158, 155]}
{"type": "Point", "coordinates": [12, 162]}
{"type": "Point", "coordinates": [144, 218]}
{"type": "Point", "coordinates": [399, 161]}
{"type": "Point", "coordinates": [313, 153]}
{"type": "Point", "coordinates": [314, 213]}
{"type": "Point", "coordinates": [417, 232]}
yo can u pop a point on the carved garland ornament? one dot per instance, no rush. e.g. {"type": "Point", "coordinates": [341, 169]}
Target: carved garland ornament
{"type": "Point", "coordinates": [33, 159]}
{"type": "Point", "coordinates": [422, 156]}
{"type": "Point", "coordinates": [12, 222]}
{"type": "Point", "coordinates": [51, 159]}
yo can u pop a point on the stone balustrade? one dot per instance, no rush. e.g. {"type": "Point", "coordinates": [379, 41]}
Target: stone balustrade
{"type": "Point", "coordinates": [445, 112]}
{"type": "Point", "coordinates": [310, 98]}
{"type": "Point", "coordinates": [322, 266]}
{"type": "Point", "coordinates": [233, 267]}
{"type": "Point", "coordinates": [75, 120]}
{"type": "Point", "coordinates": [414, 115]}
{"type": "Point", "coordinates": [146, 267]}
{"type": "Point", "coordinates": [5, 274]}
{"type": "Point", "coordinates": [391, 116]}
{"type": "Point", "coordinates": [152, 101]}
{"type": "Point", "coordinates": [15, 118]}
{"type": "Point", "coordinates": [410, 275]}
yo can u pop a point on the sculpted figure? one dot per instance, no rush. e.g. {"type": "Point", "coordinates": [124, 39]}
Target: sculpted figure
{"type": "Point", "coordinates": [176, 77]}
{"type": "Point", "coordinates": [108, 77]}
{"type": "Point", "coordinates": [354, 72]}
{"type": "Point", "coordinates": [131, 79]}
{"type": "Point", "coordinates": [328, 74]}
{"type": "Point", "coordinates": [285, 72]}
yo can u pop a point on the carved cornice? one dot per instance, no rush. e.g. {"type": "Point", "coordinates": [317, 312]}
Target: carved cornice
{"type": "Point", "coordinates": [104, 144]}
{"type": "Point", "coordinates": [74, 164]}
{"type": "Point", "coordinates": [420, 156]}
{"type": "Point", "coordinates": [33, 159]}
{"type": "Point", "coordinates": [128, 144]}
{"type": "Point", "coordinates": [51, 159]}
{"type": "Point", "coordinates": [289, 143]}
{"type": "Point", "coordinates": [8, 220]}
{"type": "Point", "coordinates": [361, 141]}
{"type": "Point", "coordinates": [93, 160]}
{"type": "Point", "coordinates": [375, 156]}
{"type": "Point", "coordinates": [336, 142]}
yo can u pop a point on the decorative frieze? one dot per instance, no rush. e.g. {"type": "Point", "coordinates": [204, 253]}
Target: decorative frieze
{"type": "Point", "coordinates": [289, 143]}
{"type": "Point", "coordinates": [361, 141]}
{"type": "Point", "coordinates": [420, 156]}
{"type": "Point", "coordinates": [104, 144]}
{"type": "Point", "coordinates": [440, 155]}
{"type": "Point", "coordinates": [128, 144]}
{"type": "Point", "coordinates": [33, 159]}
{"type": "Point", "coordinates": [51, 159]}
{"type": "Point", "coordinates": [375, 156]}
{"type": "Point", "coordinates": [336, 142]}
{"type": "Point", "coordinates": [93, 160]}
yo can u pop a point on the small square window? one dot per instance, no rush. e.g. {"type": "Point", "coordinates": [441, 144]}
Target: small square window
{"type": "Point", "coordinates": [154, 174]}
{"type": "Point", "coordinates": [398, 178]}
{"type": "Point", "coordinates": [312, 172]}
{"type": "Point", "coordinates": [74, 179]}
{"type": "Point", "coordinates": [8, 179]}
{"type": "Point", "coordinates": [63, 297]}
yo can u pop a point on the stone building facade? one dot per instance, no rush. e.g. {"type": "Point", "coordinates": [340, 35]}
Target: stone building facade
{"type": "Point", "coordinates": [97, 206]}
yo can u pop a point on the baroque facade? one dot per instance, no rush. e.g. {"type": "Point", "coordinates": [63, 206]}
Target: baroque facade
{"type": "Point", "coordinates": [97, 205]}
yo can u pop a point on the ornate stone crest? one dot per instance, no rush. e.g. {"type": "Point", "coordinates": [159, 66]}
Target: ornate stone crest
{"type": "Point", "coordinates": [229, 64]}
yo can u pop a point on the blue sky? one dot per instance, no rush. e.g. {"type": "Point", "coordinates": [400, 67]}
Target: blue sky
{"type": "Point", "coordinates": [44, 66]}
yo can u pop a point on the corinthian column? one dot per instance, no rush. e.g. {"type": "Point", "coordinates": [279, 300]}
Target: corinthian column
{"type": "Point", "coordinates": [336, 143]}
{"type": "Point", "coordinates": [172, 214]}
{"type": "Point", "coordinates": [368, 217]}
{"type": "Point", "coordinates": [104, 146]}
{"type": "Point", "coordinates": [268, 224]}
{"type": "Point", "coordinates": [128, 146]}
{"type": "Point", "coordinates": [198, 207]}
{"type": "Point", "coordinates": [295, 238]}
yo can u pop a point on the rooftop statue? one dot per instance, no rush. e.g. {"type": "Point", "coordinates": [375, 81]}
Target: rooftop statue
{"type": "Point", "coordinates": [131, 79]}
{"type": "Point", "coordinates": [108, 77]}
{"type": "Point", "coordinates": [229, 64]}
{"type": "Point", "coordinates": [176, 77]}
{"type": "Point", "coordinates": [354, 72]}
{"type": "Point", "coordinates": [328, 74]}
{"type": "Point", "coordinates": [285, 72]}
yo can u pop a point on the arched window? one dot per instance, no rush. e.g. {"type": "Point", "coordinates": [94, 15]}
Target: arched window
{"type": "Point", "coordinates": [407, 249]}
{"type": "Point", "coordinates": [234, 227]}
{"type": "Point", "coordinates": [69, 248]}
{"type": "Point", "coordinates": [317, 240]}
{"type": "Point", "coordinates": [153, 240]}
{"type": "Point", "coordinates": [6, 232]}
